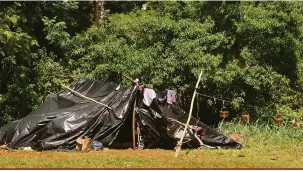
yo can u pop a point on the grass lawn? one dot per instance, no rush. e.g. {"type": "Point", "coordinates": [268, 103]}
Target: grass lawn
{"type": "Point", "coordinates": [263, 149]}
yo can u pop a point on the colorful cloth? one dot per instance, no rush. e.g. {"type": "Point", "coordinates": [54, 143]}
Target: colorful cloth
{"type": "Point", "coordinates": [171, 96]}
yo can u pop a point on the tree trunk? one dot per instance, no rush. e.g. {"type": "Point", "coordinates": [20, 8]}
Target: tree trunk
{"type": "Point", "coordinates": [99, 13]}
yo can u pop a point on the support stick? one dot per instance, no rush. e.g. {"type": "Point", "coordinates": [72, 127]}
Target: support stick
{"type": "Point", "coordinates": [189, 116]}
{"type": "Point", "coordinates": [134, 114]}
{"type": "Point", "coordinates": [134, 125]}
{"type": "Point", "coordinates": [85, 97]}
{"type": "Point", "coordinates": [189, 128]}
{"type": "Point", "coordinates": [132, 80]}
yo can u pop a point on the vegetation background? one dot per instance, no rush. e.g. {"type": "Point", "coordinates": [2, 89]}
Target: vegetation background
{"type": "Point", "coordinates": [250, 52]}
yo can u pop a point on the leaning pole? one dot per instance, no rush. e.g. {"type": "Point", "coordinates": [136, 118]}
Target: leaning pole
{"type": "Point", "coordinates": [189, 116]}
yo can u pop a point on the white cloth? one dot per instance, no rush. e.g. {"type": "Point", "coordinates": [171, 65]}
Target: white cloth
{"type": "Point", "coordinates": [148, 96]}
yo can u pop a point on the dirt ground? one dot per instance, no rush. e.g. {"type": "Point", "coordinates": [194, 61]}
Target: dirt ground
{"type": "Point", "coordinates": [249, 157]}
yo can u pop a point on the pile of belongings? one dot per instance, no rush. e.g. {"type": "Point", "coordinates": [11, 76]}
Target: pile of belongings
{"type": "Point", "coordinates": [58, 123]}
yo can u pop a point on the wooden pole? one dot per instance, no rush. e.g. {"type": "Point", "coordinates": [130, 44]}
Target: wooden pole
{"type": "Point", "coordinates": [190, 130]}
{"type": "Point", "coordinates": [134, 125]}
{"type": "Point", "coordinates": [131, 79]}
{"type": "Point", "coordinates": [64, 86]}
{"type": "Point", "coordinates": [189, 116]}
{"type": "Point", "coordinates": [134, 115]}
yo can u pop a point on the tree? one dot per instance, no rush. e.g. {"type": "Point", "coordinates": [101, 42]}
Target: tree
{"type": "Point", "coordinates": [250, 51]}
{"type": "Point", "coordinates": [99, 13]}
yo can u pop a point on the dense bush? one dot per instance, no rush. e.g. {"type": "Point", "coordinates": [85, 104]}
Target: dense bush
{"type": "Point", "coordinates": [250, 52]}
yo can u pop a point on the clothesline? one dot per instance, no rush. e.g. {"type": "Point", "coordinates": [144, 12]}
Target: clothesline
{"type": "Point", "coordinates": [228, 101]}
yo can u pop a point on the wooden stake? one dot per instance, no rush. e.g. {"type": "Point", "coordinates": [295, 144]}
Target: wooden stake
{"type": "Point", "coordinates": [134, 115]}
{"type": "Point", "coordinates": [189, 116]}
{"type": "Point", "coordinates": [131, 79]}
{"type": "Point", "coordinates": [64, 86]}
{"type": "Point", "coordinates": [134, 125]}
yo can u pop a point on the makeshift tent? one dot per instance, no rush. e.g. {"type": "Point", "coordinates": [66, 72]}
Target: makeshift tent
{"type": "Point", "coordinates": [64, 117]}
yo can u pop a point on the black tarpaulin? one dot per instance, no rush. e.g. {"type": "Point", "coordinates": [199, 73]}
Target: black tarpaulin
{"type": "Point", "coordinates": [168, 132]}
{"type": "Point", "coordinates": [60, 120]}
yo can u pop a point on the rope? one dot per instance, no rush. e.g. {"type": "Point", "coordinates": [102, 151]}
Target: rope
{"type": "Point", "coordinates": [228, 101]}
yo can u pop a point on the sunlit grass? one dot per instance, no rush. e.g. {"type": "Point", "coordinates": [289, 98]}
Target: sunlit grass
{"type": "Point", "coordinates": [263, 130]}
{"type": "Point", "coordinates": [264, 146]}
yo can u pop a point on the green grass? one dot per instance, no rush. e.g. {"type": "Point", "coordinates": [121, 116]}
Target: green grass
{"type": "Point", "coordinates": [266, 131]}
{"type": "Point", "coordinates": [264, 146]}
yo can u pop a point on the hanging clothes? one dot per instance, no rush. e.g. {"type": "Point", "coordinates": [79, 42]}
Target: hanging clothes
{"type": "Point", "coordinates": [150, 102]}
{"type": "Point", "coordinates": [171, 96]}
{"type": "Point", "coordinates": [148, 96]}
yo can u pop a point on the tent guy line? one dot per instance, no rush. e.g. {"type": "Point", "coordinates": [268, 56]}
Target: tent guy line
{"type": "Point", "coordinates": [228, 101]}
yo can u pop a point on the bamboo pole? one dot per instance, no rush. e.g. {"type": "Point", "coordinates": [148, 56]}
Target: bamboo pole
{"type": "Point", "coordinates": [134, 124]}
{"type": "Point", "coordinates": [189, 116]}
{"type": "Point", "coordinates": [64, 86]}
{"type": "Point", "coordinates": [131, 79]}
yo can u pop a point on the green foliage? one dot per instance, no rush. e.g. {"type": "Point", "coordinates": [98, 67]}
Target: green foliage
{"type": "Point", "coordinates": [250, 52]}
{"type": "Point", "coordinates": [55, 30]}
{"type": "Point", "coordinates": [16, 66]}
{"type": "Point", "coordinates": [171, 54]}
{"type": "Point", "coordinates": [26, 69]}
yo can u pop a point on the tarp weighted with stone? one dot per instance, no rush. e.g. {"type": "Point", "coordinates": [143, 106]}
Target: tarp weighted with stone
{"type": "Point", "coordinates": [60, 120]}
